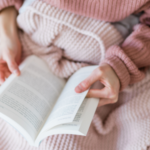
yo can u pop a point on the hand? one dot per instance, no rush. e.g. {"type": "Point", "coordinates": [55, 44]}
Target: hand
{"type": "Point", "coordinates": [106, 75]}
{"type": "Point", "coordinates": [10, 46]}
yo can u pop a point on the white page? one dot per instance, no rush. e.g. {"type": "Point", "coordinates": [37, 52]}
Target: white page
{"type": "Point", "coordinates": [69, 101]}
{"type": "Point", "coordinates": [72, 128]}
{"type": "Point", "coordinates": [80, 124]}
{"type": "Point", "coordinates": [83, 118]}
{"type": "Point", "coordinates": [28, 99]}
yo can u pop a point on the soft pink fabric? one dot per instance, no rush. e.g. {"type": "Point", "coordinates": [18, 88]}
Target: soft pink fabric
{"type": "Point", "coordinates": [7, 3]}
{"type": "Point", "coordinates": [108, 10]}
{"type": "Point", "coordinates": [146, 17]}
{"type": "Point", "coordinates": [66, 41]}
{"type": "Point", "coordinates": [127, 68]}
{"type": "Point", "coordinates": [130, 59]}
{"type": "Point", "coordinates": [122, 126]}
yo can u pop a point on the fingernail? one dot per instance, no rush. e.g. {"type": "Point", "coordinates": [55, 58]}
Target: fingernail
{"type": "Point", "coordinates": [83, 84]}
{"type": "Point", "coordinates": [16, 72]}
{"type": "Point", "coordinates": [78, 89]}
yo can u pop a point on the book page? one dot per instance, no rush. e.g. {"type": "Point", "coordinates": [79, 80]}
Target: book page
{"type": "Point", "coordinates": [69, 101]}
{"type": "Point", "coordinates": [84, 115]}
{"type": "Point", "coordinates": [80, 124]}
{"type": "Point", "coordinates": [29, 98]}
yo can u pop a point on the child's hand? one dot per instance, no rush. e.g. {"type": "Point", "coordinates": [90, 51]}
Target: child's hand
{"type": "Point", "coordinates": [106, 75]}
{"type": "Point", "coordinates": [10, 46]}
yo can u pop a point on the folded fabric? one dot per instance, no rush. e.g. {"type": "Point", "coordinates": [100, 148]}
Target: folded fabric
{"type": "Point", "coordinates": [65, 40]}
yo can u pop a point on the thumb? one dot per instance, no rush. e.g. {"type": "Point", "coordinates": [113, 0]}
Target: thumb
{"type": "Point", "coordinates": [12, 65]}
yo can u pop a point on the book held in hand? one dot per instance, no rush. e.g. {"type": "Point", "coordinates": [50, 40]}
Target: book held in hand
{"type": "Point", "coordinates": [39, 104]}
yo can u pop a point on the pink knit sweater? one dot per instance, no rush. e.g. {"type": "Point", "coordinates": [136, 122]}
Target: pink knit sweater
{"type": "Point", "coordinates": [129, 59]}
{"type": "Point", "coordinates": [121, 126]}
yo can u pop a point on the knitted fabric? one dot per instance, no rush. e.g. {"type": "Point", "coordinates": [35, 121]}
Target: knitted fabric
{"type": "Point", "coordinates": [7, 3]}
{"type": "Point", "coordinates": [108, 10]}
{"type": "Point", "coordinates": [132, 56]}
{"type": "Point", "coordinates": [66, 41]}
{"type": "Point", "coordinates": [122, 126]}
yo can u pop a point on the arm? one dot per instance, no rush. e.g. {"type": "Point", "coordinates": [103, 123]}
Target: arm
{"type": "Point", "coordinates": [130, 59]}
{"type": "Point", "coordinates": [126, 63]}
{"type": "Point", "coordinates": [133, 56]}
{"type": "Point", "coordinates": [10, 46]}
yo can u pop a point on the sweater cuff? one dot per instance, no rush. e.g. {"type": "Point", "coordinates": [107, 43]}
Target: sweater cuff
{"type": "Point", "coordinates": [7, 3]}
{"type": "Point", "coordinates": [120, 69]}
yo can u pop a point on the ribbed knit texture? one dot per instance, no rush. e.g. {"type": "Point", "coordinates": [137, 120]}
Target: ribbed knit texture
{"type": "Point", "coordinates": [129, 60]}
{"type": "Point", "coordinates": [108, 10]}
{"type": "Point", "coordinates": [66, 41]}
{"type": "Point", "coordinates": [7, 3]}
{"type": "Point", "coordinates": [122, 126]}
{"type": "Point", "coordinates": [128, 57]}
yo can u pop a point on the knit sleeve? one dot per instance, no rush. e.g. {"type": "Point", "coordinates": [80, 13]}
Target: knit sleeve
{"type": "Point", "coordinates": [7, 3]}
{"type": "Point", "coordinates": [131, 58]}
{"type": "Point", "coordinates": [106, 10]}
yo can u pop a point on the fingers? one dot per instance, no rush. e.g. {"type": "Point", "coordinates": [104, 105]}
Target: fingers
{"type": "Point", "coordinates": [106, 75]}
{"type": "Point", "coordinates": [103, 102]}
{"type": "Point", "coordinates": [4, 72]}
{"type": "Point", "coordinates": [107, 96]}
{"type": "Point", "coordinates": [84, 85]}
{"type": "Point", "coordinates": [103, 93]}
{"type": "Point", "coordinates": [99, 93]}
{"type": "Point", "coordinates": [12, 65]}
{"type": "Point", "coordinates": [2, 77]}
{"type": "Point", "coordinates": [7, 74]}
{"type": "Point", "coordinates": [2, 61]}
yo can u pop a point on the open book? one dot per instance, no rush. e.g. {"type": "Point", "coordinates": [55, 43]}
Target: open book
{"type": "Point", "coordinates": [39, 104]}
